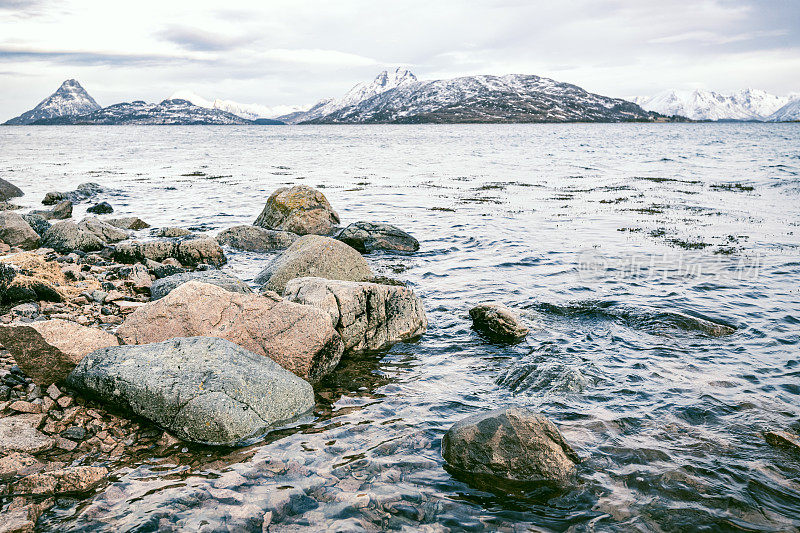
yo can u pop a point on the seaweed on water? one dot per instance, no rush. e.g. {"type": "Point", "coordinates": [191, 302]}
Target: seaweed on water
{"type": "Point", "coordinates": [737, 187]}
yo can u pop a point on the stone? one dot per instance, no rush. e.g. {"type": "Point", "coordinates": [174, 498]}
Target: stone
{"type": "Point", "coordinates": [368, 316]}
{"type": "Point", "coordinates": [39, 224]}
{"type": "Point", "coordinates": [299, 209]}
{"type": "Point", "coordinates": [14, 231]}
{"type": "Point", "coordinates": [15, 464]}
{"type": "Point", "coordinates": [66, 236]}
{"type": "Point", "coordinates": [48, 350]}
{"type": "Point", "coordinates": [53, 391]}
{"type": "Point", "coordinates": [53, 197]}
{"type": "Point", "coordinates": [256, 239]}
{"type": "Point", "coordinates": [103, 230]}
{"type": "Point", "coordinates": [162, 287]}
{"type": "Point", "coordinates": [19, 434]}
{"type": "Point", "coordinates": [21, 406]}
{"type": "Point", "coordinates": [103, 208]}
{"type": "Point", "coordinates": [784, 439]}
{"type": "Point", "coordinates": [17, 521]}
{"type": "Point", "coordinates": [207, 250]}
{"type": "Point", "coordinates": [498, 322]}
{"type": "Point", "coordinates": [74, 433]}
{"type": "Point", "coordinates": [189, 252]}
{"type": "Point", "coordinates": [367, 237]}
{"type": "Point", "coordinates": [298, 337]}
{"type": "Point", "coordinates": [140, 278]}
{"type": "Point", "coordinates": [173, 232]}
{"type": "Point", "coordinates": [61, 481]}
{"type": "Point", "coordinates": [314, 256]}
{"type": "Point", "coordinates": [511, 444]}
{"type": "Point", "coordinates": [29, 310]}
{"type": "Point", "coordinates": [201, 389]}
{"type": "Point", "coordinates": [9, 190]}
{"type": "Point", "coordinates": [62, 210]}
{"type": "Point", "coordinates": [129, 223]}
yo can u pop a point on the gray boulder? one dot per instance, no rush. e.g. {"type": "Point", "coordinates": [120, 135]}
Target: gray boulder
{"type": "Point", "coordinates": [299, 209]}
{"type": "Point", "coordinates": [103, 208]}
{"type": "Point", "coordinates": [201, 389]}
{"type": "Point", "coordinates": [171, 232]}
{"type": "Point", "coordinates": [509, 444]}
{"type": "Point", "coordinates": [367, 237]}
{"type": "Point", "coordinates": [498, 322]}
{"type": "Point", "coordinates": [256, 239]}
{"type": "Point", "coordinates": [83, 192]}
{"type": "Point", "coordinates": [9, 190]}
{"type": "Point", "coordinates": [190, 252]}
{"type": "Point", "coordinates": [37, 222]}
{"type": "Point", "coordinates": [103, 230]}
{"type": "Point", "coordinates": [162, 287]}
{"type": "Point", "coordinates": [368, 316]}
{"type": "Point", "coordinates": [130, 223]}
{"type": "Point", "coordinates": [314, 256]}
{"type": "Point", "coordinates": [62, 211]}
{"type": "Point", "coordinates": [66, 236]}
{"type": "Point", "coordinates": [14, 231]}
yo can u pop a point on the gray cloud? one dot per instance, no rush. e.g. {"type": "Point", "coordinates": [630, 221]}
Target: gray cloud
{"type": "Point", "coordinates": [196, 39]}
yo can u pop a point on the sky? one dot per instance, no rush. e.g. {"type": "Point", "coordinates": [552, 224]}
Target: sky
{"type": "Point", "coordinates": [295, 52]}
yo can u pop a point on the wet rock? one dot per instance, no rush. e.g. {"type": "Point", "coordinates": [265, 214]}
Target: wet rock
{"type": "Point", "coordinates": [299, 209]}
{"type": "Point", "coordinates": [162, 287]}
{"type": "Point", "coordinates": [201, 389]}
{"type": "Point", "coordinates": [61, 481]}
{"type": "Point", "coordinates": [314, 256]}
{"type": "Point", "coordinates": [102, 230]}
{"type": "Point", "coordinates": [129, 223]}
{"type": "Point", "coordinates": [498, 322]}
{"type": "Point", "coordinates": [84, 191]}
{"type": "Point", "coordinates": [66, 236]}
{"type": "Point", "coordinates": [103, 208]}
{"type": "Point", "coordinates": [14, 231]}
{"type": "Point", "coordinates": [189, 252]}
{"type": "Point", "coordinates": [61, 211]}
{"type": "Point", "coordinates": [368, 316]}
{"type": "Point", "coordinates": [9, 190]}
{"type": "Point", "coordinates": [171, 232]}
{"type": "Point", "coordinates": [784, 439]}
{"type": "Point", "coordinates": [48, 350]}
{"type": "Point", "coordinates": [256, 239]}
{"type": "Point", "coordinates": [367, 237]}
{"type": "Point", "coordinates": [53, 197]}
{"type": "Point", "coordinates": [19, 434]}
{"type": "Point", "coordinates": [298, 337]}
{"type": "Point", "coordinates": [162, 271]}
{"type": "Point", "coordinates": [39, 224]}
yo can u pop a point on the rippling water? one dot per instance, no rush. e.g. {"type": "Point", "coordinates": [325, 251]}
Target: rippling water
{"type": "Point", "coordinates": [659, 265]}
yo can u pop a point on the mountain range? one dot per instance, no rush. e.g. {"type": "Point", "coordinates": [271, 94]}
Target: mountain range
{"type": "Point", "coordinates": [69, 100]}
{"type": "Point", "coordinates": [748, 104]}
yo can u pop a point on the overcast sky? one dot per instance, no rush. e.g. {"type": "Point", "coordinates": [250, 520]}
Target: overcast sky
{"type": "Point", "coordinates": [296, 52]}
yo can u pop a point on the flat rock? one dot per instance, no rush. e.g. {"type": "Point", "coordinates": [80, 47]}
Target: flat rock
{"type": "Point", "coordinates": [162, 287]}
{"type": "Point", "coordinates": [367, 237]}
{"type": "Point", "coordinates": [62, 481]}
{"type": "Point", "coordinates": [314, 256]}
{"type": "Point", "coordinates": [9, 190]}
{"type": "Point", "coordinates": [129, 223]}
{"type": "Point", "coordinates": [368, 316]}
{"type": "Point", "coordinates": [299, 209]}
{"type": "Point", "coordinates": [19, 434]}
{"type": "Point", "coordinates": [298, 337]}
{"type": "Point", "coordinates": [201, 389]}
{"type": "Point", "coordinates": [14, 231]}
{"type": "Point", "coordinates": [103, 230]}
{"type": "Point", "coordinates": [47, 351]}
{"type": "Point", "coordinates": [498, 322]}
{"type": "Point", "coordinates": [256, 239]}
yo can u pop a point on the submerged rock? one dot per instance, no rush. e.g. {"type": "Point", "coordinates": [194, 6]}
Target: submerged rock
{"type": "Point", "coordinates": [162, 287]}
{"type": "Point", "coordinates": [9, 190]}
{"type": "Point", "coordinates": [47, 351]}
{"type": "Point", "coordinates": [367, 237]}
{"type": "Point", "coordinates": [205, 390]}
{"type": "Point", "coordinates": [189, 252]}
{"type": "Point", "coordinates": [368, 316]}
{"type": "Point", "coordinates": [299, 209]}
{"type": "Point", "coordinates": [509, 444]}
{"type": "Point", "coordinates": [129, 223]}
{"type": "Point", "coordinates": [298, 337]}
{"type": "Point", "coordinates": [314, 256]}
{"type": "Point", "coordinates": [103, 208]}
{"type": "Point", "coordinates": [256, 239]}
{"type": "Point", "coordinates": [19, 434]}
{"type": "Point", "coordinates": [14, 231]}
{"type": "Point", "coordinates": [498, 322]}
{"type": "Point", "coordinates": [784, 439]}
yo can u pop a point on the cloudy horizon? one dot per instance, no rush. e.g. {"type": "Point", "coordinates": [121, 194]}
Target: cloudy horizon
{"type": "Point", "coordinates": [294, 53]}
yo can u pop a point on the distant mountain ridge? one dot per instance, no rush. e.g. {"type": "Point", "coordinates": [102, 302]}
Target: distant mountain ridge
{"type": "Point", "coordinates": [69, 99]}
{"type": "Point", "coordinates": [701, 104]}
{"type": "Point", "coordinates": [248, 111]}
{"type": "Point", "coordinates": [168, 113]}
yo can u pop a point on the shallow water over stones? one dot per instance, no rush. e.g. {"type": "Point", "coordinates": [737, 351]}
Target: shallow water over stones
{"type": "Point", "coordinates": [656, 266]}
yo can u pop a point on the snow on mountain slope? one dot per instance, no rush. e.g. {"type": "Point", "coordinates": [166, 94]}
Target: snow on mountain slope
{"type": "Point", "coordinates": [788, 113]}
{"type": "Point", "coordinates": [748, 104]}
{"type": "Point", "coordinates": [168, 112]}
{"type": "Point", "coordinates": [69, 99]}
{"type": "Point", "coordinates": [248, 111]}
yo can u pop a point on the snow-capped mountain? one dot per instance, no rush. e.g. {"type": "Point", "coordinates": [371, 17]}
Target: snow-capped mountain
{"type": "Point", "coordinates": [248, 111]}
{"type": "Point", "coordinates": [401, 98]}
{"type": "Point", "coordinates": [748, 104]}
{"type": "Point", "coordinates": [788, 113]}
{"type": "Point", "coordinates": [168, 112]}
{"type": "Point", "coordinates": [70, 99]}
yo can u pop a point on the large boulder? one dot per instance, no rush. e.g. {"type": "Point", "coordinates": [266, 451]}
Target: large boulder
{"type": "Point", "coordinates": [256, 239]}
{"type": "Point", "coordinates": [201, 389]}
{"type": "Point", "coordinates": [497, 322]}
{"type": "Point", "coordinates": [299, 209]}
{"type": "Point", "coordinates": [103, 230]}
{"type": "Point", "coordinates": [367, 237]}
{"type": "Point", "coordinates": [162, 287]}
{"type": "Point", "coordinates": [47, 351]}
{"type": "Point", "coordinates": [298, 337]}
{"type": "Point", "coordinates": [14, 231]}
{"type": "Point", "coordinates": [190, 252]}
{"type": "Point", "coordinates": [314, 256]}
{"type": "Point", "coordinates": [82, 192]}
{"type": "Point", "coordinates": [512, 444]}
{"type": "Point", "coordinates": [368, 316]}
{"type": "Point", "coordinates": [103, 208]}
{"type": "Point", "coordinates": [37, 222]}
{"type": "Point", "coordinates": [66, 236]}
{"type": "Point", "coordinates": [61, 211]}
{"type": "Point", "coordinates": [9, 190]}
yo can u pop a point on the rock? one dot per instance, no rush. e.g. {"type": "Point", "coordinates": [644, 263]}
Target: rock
{"type": "Point", "coordinates": [53, 391]}
{"type": "Point", "coordinates": [367, 237]}
{"type": "Point", "coordinates": [189, 252]}
{"type": "Point", "coordinates": [15, 464]}
{"type": "Point", "coordinates": [102, 230]}
{"type": "Point", "coordinates": [129, 223]}
{"type": "Point", "coordinates": [84, 191]}
{"type": "Point", "coordinates": [498, 322]}
{"type": "Point", "coordinates": [66, 236]}
{"type": "Point", "coordinates": [28, 310]}
{"type": "Point", "coordinates": [201, 250]}
{"type": "Point", "coordinates": [34, 279]}
{"type": "Point", "coordinates": [140, 278]}
{"type": "Point", "coordinates": [19, 434]}
{"type": "Point", "coordinates": [53, 198]}
{"type": "Point", "coordinates": [317, 256]}
{"type": "Point", "coordinates": [784, 439]}
{"type": "Point", "coordinates": [299, 209]}
{"type": "Point", "coordinates": [62, 210]}
{"type": "Point", "coordinates": [162, 287]}
{"type": "Point", "coordinates": [9, 190]}
{"type": "Point", "coordinates": [103, 208]}
{"type": "Point", "coordinates": [163, 271]}
{"type": "Point", "coordinates": [256, 239]}
{"type": "Point", "coordinates": [39, 224]}
{"type": "Point", "coordinates": [509, 444]}
{"type": "Point", "coordinates": [21, 406]}
{"type": "Point", "coordinates": [173, 232]}
{"type": "Point", "coordinates": [201, 389]}
{"type": "Point", "coordinates": [48, 350]}
{"type": "Point", "coordinates": [298, 337]}
{"type": "Point", "coordinates": [74, 433]}
{"type": "Point", "coordinates": [14, 231]}
{"type": "Point", "coordinates": [17, 521]}
{"type": "Point", "coordinates": [368, 316]}
{"type": "Point", "coordinates": [61, 481]}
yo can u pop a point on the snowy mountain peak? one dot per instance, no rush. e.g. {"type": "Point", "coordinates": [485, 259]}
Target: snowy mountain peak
{"type": "Point", "coordinates": [701, 104]}
{"type": "Point", "coordinates": [68, 100]}
{"type": "Point", "coordinates": [247, 111]}
{"type": "Point", "coordinates": [388, 81]}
